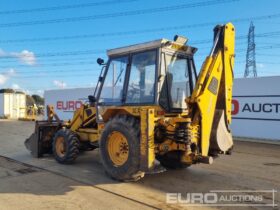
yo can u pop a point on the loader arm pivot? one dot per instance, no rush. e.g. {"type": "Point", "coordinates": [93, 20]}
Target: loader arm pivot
{"type": "Point", "coordinates": [211, 98]}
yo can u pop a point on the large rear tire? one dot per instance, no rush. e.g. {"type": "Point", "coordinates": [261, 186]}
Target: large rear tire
{"type": "Point", "coordinates": [65, 146]}
{"type": "Point", "coordinates": [120, 148]}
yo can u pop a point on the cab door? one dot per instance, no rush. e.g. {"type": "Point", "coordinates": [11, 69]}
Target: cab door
{"type": "Point", "coordinates": [141, 85]}
{"type": "Point", "coordinates": [112, 88]}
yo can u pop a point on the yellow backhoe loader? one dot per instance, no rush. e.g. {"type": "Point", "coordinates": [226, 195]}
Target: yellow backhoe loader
{"type": "Point", "coordinates": [150, 107]}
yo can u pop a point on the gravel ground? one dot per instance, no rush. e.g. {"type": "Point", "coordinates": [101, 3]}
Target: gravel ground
{"type": "Point", "coordinates": [45, 184]}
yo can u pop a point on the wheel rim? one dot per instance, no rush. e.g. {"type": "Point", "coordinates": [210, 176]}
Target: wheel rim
{"type": "Point", "coordinates": [117, 148]}
{"type": "Point", "coordinates": [60, 146]}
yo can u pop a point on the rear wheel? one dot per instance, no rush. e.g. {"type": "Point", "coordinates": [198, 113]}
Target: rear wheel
{"type": "Point", "coordinates": [172, 160]}
{"type": "Point", "coordinates": [120, 148]}
{"type": "Point", "coordinates": [65, 146]}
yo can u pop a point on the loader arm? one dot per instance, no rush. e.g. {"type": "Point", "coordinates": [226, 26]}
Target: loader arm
{"type": "Point", "coordinates": [211, 98]}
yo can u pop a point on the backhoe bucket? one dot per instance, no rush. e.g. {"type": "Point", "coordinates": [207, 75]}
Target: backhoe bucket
{"type": "Point", "coordinates": [40, 142]}
{"type": "Point", "coordinates": [221, 138]}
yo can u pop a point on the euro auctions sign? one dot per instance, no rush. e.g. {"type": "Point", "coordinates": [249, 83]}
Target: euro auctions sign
{"type": "Point", "coordinates": [256, 108]}
{"type": "Point", "coordinates": [66, 101]}
{"type": "Point", "coordinates": [69, 106]}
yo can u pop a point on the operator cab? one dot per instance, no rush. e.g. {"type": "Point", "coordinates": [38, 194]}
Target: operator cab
{"type": "Point", "coordinates": [160, 72]}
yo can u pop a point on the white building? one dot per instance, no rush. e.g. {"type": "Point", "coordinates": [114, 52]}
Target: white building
{"type": "Point", "coordinates": [12, 104]}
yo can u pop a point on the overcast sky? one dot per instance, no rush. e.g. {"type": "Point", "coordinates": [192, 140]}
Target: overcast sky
{"type": "Point", "coordinates": [54, 44]}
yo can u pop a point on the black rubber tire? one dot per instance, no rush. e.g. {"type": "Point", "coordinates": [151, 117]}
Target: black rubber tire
{"type": "Point", "coordinates": [71, 141]}
{"type": "Point", "coordinates": [172, 160]}
{"type": "Point", "coordinates": [130, 128]}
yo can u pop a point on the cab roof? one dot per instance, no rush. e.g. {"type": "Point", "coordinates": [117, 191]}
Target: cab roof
{"type": "Point", "coordinates": [160, 43]}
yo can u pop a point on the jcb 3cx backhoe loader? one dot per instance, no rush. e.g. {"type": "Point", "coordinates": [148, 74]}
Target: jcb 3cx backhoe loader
{"type": "Point", "coordinates": [150, 107]}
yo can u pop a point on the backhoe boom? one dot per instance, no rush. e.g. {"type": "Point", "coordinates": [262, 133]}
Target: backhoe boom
{"type": "Point", "coordinates": [212, 95]}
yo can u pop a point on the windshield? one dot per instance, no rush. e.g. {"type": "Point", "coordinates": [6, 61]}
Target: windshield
{"type": "Point", "coordinates": [176, 86]}
{"type": "Point", "coordinates": [112, 90]}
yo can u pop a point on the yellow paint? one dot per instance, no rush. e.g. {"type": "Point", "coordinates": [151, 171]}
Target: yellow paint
{"type": "Point", "coordinates": [169, 145]}
{"type": "Point", "coordinates": [219, 66]}
{"type": "Point", "coordinates": [151, 143]}
{"type": "Point", "coordinates": [60, 146]}
{"type": "Point", "coordinates": [147, 147]}
{"type": "Point", "coordinates": [81, 119]}
{"type": "Point", "coordinates": [118, 148]}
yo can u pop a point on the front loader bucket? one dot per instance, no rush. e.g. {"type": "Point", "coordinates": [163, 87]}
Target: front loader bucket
{"type": "Point", "coordinates": [40, 142]}
{"type": "Point", "coordinates": [30, 144]}
{"type": "Point", "coordinates": [221, 138]}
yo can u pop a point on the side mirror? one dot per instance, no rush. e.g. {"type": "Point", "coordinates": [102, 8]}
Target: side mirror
{"type": "Point", "coordinates": [100, 61]}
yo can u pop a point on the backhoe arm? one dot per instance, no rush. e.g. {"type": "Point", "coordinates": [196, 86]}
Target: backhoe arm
{"type": "Point", "coordinates": [211, 98]}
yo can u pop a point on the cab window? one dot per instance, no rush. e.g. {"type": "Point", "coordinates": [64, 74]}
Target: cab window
{"type": "Point", "coordinates": [141, 85]}
{"type": "Point", "coordinates": [176, 86]}
{"type": "Point", "coordinates": [112, 90]}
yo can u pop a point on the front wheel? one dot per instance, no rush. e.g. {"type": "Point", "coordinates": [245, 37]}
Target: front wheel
{"type": "Point", "coordinates": [65, 146]}
{"type": "Point", "coordinates": [120, 148]}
